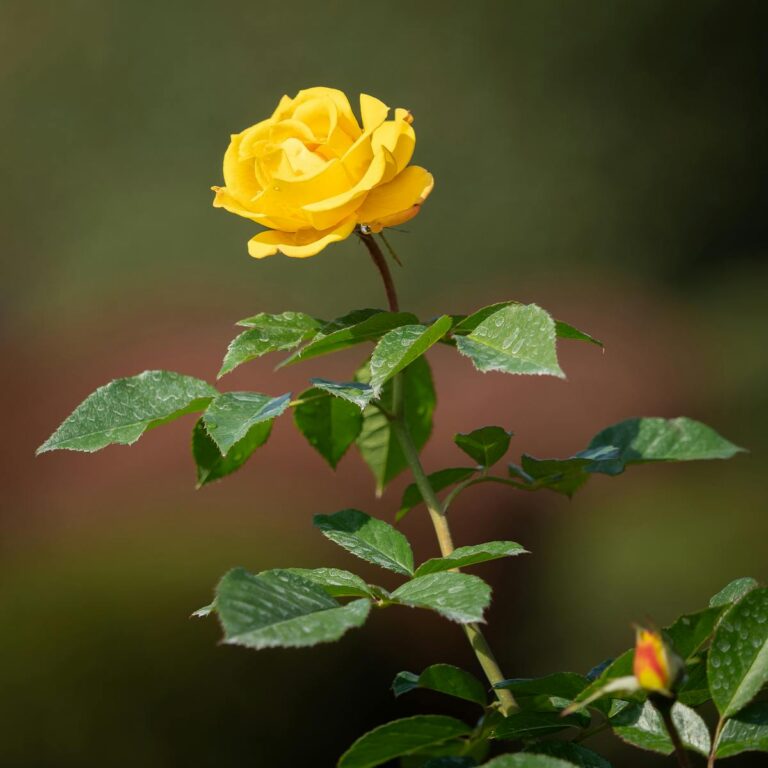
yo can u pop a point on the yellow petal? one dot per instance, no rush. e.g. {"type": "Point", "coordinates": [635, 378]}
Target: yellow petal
{"type": "Point", "coordinates": [373, 111]}
{"type": "Point", "coordinates": [300, 245]}
{"type": "Point", "coordinates": [399, 138]}
{"type": "Point", "coordinates": [224, 199]}
{"type": "Point", "coordinates": [397, 201]}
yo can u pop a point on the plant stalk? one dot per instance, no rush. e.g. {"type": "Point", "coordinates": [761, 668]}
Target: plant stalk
{"type": "Point", "coordinates": [483, 652]}
{"type": "Point", "coordinates": [715, 739]}
{"type": "Point", "coordinates": [663, 706]}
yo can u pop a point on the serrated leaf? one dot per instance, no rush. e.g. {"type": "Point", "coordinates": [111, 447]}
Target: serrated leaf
{"type": "Point", "coordinates": [734, 591]}
{"type": "Point", "coordinates": [232, 415]}
{"type": "Point", "coordinates": [642, 726]}
{"type": "Point", "coordinates": [280, 609]}
{"type": "Point", "coordinates": [439, 481]}
{"type": "Point", "coordinates": [209, 462]}
{"type": "Point", "coordinates": [561, 685]}
{"type": "Point", "coordinates": [377, 443]}
{"type": "Point", "coordinates": [335, 582]}
{"type": "Point", "coordinates": [401, 737]}
{"type": "Point", "coordinates": [657, 439]}
{"type": "Point", "coordinates": [121, 411]}
{"type": "Point", "coordinates": [443, 678]}
{"type": "Point", "coordinates": [690, 632]}
{"type": "Point", "coordinates": [526, 725]}
{"type": "Point", "coordinates": [485, 445]}
{"type": "Point", "coordinates": [329, 423]}
{"type": "Point", "coordinates": [694, 690]}
{"type": "Point", "coordinates": [353, 391]}
{"type": "Point", "coordinates": [456, 596]}
{"type": "Point", "coordinates": [527, 760]}
{"type": "Point", "coordinates": [364, 325]}
{"type": "Point", "coordinates": [516, 339]}
{"type": "Point", "coordinates": [567, 331]}
{"type": "Point", "coordinates": [573, 753]}
{"type": "Point", "coordinates": [464, 325]}
{"type": "Point", "coordinates": [565, 476]}
{"type": "Point", "coordinates": [368, 538]}
{"type": "Point", "coordinates": [268, 333]}
{"type": "Point", "coordinates": [746, 731]}
{"type": "Point", "coordinates": [400, 347]}
{"type": "Point", "coordinates": [737, 666]}
{"type": "Point", "coordinates": [471, 555]}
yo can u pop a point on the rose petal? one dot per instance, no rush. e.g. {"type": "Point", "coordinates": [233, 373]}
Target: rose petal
{"type": "Point", "coordinates": [397, 201]}
{"type": "Point", "coordinates": [300, 245]}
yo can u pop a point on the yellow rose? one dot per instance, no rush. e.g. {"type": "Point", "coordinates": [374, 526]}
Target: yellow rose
{"type": "Point", "coordinates": [311, 174]}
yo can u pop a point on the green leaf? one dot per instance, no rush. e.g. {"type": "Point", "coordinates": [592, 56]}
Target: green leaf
{"type": "Point", "coordinates": [527, 760]}
{"type": "Point", "coordinates": [211, 465]}
{"type": "Point", "coordinates": [464, 325]}
{"type": "Point", "coordinates": [268, 333]}
{"type": "Point", "coordinates": [566, 331]}
{"type": "Point", "coordinates": [573, 753]}
{"type": "Point", "coordinates": [485, 445]}
{"type": "Point", "coordinates": [694, 690]}
{"type": "Point", "coordinates": [368, 538]}
{"type": "Point", "coordinates": [353, 391]}
{"type": "Point", "coordinates": [439, 480]}
{"type": "Point", "coordinates": [450, 762]}
{"type": "Point", "coordinates": [561, 685]}
{"type": "Point", "coordinates": [279, 608]}
{"type": "Point", "coordinates": [377, 443]}
{"type": "Point", "coordinates": [400, 347]}
{"type": "Point", "coordinates": [401, 737]}
{"type": "Point", "coordinates": [335, 582]}
{"type": "Point", "coordinates": [329, 423]}
{"type": "Point", "coordinates": [746, 731]}
{"type": "Point", "coordinates": [443, 678]}
{"type": "Point", "coordinates": [475, 553]}
{"type": "Point", "coordinates": [737, 666]}
{"type": "Point", "coordinates": [690, 632]}
{"type": "Point", "coordinates": [526, 725]}
{"type": "Point", "coordinates": [565, 476]}
{"type": "Point", "coordinates": [642, 725]}
{"type": "Point", "coordinates": [232, 415]}
{"type": "Point", "coordinates": [656, 439]}
{"type": "Point", "coordinates": [516, 339]}
{"type": "Point", "coordinates": [364, 325]}
{"type": "Point", "coordinates": [121, 411]}
{"type": "Point", "coordinates": [295, 322]}
{"type": "Point", "coordinates": [734, 591]}
{"type": "Point", "coordinates": [456, 596]}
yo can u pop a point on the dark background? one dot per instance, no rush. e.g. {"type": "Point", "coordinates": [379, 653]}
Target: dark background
{"type": "Point", "coordinates": [606, 160]}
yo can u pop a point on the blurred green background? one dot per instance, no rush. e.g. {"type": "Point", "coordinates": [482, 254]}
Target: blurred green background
{"type": "Point", "coordinates": [605, 159]}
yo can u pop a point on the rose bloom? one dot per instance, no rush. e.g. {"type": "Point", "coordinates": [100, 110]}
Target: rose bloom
{"type": "Point", "coordinates": [311, 173]}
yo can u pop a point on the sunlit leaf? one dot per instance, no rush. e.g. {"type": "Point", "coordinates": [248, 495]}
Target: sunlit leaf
{"type": "Point", "coordinates": [456, 596]}
{"type": "Point", "coordinates": [279, 608]}
{"type": "Point", "coordinates": [121, 411]}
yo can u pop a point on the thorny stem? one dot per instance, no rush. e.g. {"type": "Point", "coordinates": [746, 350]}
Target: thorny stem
{"type": "Point", "coordinates": [436, 510]}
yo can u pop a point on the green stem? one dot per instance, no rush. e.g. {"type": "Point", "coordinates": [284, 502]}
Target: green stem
{"type": "Point", "coordinates": [436, 511]}
{"type": "Point", "coordinates": [715, 739]}
{"type": "Point", "coordinates": [444, 539]}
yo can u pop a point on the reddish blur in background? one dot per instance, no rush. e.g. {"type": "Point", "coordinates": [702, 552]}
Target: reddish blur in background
{"type": "Point", "coordinates": [604, 160]}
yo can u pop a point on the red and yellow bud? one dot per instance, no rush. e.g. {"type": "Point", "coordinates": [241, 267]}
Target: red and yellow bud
{"type": "Point", "coordinates": [656, 666]}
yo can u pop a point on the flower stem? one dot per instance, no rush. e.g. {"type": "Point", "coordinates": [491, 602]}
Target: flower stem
{"type": "Point", "coordinates": [436, 510]}
{"type": "Point", "coordinates": [383, 267]}
{"type": "Point", "coordinates": [663, 706]}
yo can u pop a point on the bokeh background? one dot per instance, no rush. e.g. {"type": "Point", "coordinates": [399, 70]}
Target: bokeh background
{"type": "Point", "coordinates": [605, 160]}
